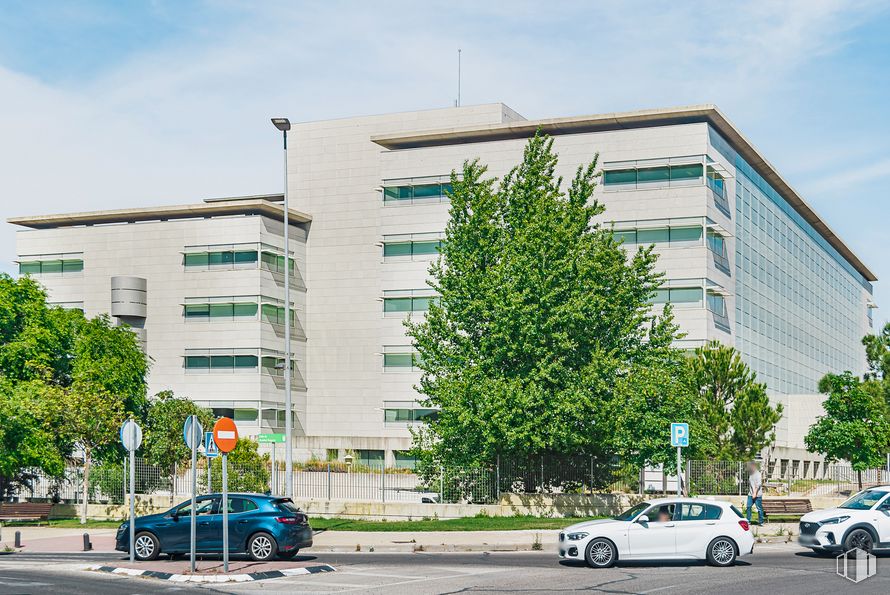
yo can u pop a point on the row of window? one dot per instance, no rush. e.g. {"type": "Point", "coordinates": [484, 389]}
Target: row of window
{"type": "Point", "coordinates": [236, 258]}
{"type": "Point", "coordinates": [673, 236]}
{"type": "Point", "coordinates": [401, 305]}
{"type": "Point", "coordinates": [235, 362]}
{"type": "Point", "coordinates": [228, 310]}
{"type": "Point", "coordinates": [436, 192]}
{"type": "Point", "coordinates": [47, 267]}
{"type": "Point", "coordinates": [408, 415]}
{"type": "Point", "coordinates": [660, 174]}
{"type": "Point", "coordinates": [410, 249]}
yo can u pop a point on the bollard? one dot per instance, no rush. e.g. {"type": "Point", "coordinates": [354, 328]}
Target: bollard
{"type": "Point", "coordinates": [87, 546]}
{"type": "Point", "coordinates": [18, 539]}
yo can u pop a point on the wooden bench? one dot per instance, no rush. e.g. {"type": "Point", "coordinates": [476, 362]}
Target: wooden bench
{"type": "Point", "coordinates": [786, 506]}
{"type": "Point", "coordinates": [25, 511]}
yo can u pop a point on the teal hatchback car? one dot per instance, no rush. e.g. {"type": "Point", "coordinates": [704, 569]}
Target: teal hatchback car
{"type": "Point", "coordinates": [263, 527]}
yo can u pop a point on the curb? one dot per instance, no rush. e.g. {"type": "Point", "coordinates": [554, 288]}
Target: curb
{"type": "Point", "coordinates": [213, 578]}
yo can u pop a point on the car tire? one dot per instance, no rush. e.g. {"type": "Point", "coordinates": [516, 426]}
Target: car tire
{"type": "Point", "coordinates": [262, 547]}
{"type": "Point", "coordinates": [721, 552]}
{"type": "Point", "coordinates": [288, 555]}
{"type": "Point", "coordinates": [146, 547]}
{"type": "Point", "coordinates": [601, 553]}
{"type": "Point", "coordinates": [859, 538]}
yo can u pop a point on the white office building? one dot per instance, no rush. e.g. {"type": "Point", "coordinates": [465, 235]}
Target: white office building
{"type": "Point", "coordinates": [747, 262]}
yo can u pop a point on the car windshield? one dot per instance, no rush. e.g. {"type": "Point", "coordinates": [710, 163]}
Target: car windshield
{"type": "Point", "coordinates": [631, 513]}
{"type": "Point", "coordinates": [864, 500]}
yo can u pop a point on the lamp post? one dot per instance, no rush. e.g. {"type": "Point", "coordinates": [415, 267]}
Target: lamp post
{"type": "Point", "coordinates": [283, 124]}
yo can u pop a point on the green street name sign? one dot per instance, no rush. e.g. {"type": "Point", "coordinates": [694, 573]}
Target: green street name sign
{"type": "Point", "coordinates": [267, 438]}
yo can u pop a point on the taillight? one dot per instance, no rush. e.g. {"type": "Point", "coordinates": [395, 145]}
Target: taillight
{"type": "Point", "coordinates": [287, 520]}
{"type": "Point", "coordinates": [744, 525]}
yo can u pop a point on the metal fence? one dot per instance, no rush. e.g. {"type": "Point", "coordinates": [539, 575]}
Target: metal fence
{"type": "Point", "coordinates": [321, 480]}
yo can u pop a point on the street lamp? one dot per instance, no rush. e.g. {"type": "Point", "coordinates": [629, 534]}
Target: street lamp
{"type": "Point", "coordinates": [283, 124]}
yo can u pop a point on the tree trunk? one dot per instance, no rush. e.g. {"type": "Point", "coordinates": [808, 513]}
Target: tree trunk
{"type": "Point", "coordinates": [86, 485]}
{"type": "Point", "coordinates": [859, 479]}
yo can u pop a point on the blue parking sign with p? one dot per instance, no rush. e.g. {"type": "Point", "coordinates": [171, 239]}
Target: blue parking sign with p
{"type": "Point", "coordinates": [679, 434]}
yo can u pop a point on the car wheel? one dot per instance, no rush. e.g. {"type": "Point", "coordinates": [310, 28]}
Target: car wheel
{"type": "Point", "coordinates": [601, 553]}
{"type": "Point", "coordinates": [288, 555]}
{"type": "Point", "coordinates": [146, 547]}
{"type": "Point", "coordinates": [262, 547]}
{"type": "Point", "coordinates": [721, 552]}
{"type": "Point", "coordinates": [859, 538]}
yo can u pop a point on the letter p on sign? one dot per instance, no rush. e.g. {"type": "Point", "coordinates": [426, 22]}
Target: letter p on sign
{"type": "Point", "coordinates": [679, 434]}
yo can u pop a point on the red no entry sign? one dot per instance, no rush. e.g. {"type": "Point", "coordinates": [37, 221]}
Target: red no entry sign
{"type": "Point", "coordinates": [225, 434]}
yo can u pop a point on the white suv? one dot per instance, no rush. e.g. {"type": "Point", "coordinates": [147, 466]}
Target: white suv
{"type": "Point", "coordinates": [861, 522]}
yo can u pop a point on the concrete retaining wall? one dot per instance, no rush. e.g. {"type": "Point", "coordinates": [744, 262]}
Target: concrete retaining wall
{"type": "Point", "coordinates": [546, 505]}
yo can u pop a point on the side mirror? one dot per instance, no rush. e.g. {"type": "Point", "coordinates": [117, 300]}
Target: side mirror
{"type": "Point", "coordinates": [643, 519]}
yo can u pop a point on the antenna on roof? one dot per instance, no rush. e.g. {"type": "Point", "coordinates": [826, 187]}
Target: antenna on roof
{"type": "Point", "coordinates": [457, 101]}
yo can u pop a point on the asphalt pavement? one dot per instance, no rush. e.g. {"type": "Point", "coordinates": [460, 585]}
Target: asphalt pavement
{"type": "Point", "coordinates": [775, 568]}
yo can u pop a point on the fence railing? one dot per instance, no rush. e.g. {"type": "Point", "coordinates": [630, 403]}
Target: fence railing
{"type": "Point", "coordinates": [477, 485]}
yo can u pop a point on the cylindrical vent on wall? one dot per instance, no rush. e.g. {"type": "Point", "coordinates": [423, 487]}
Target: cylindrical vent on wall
{"type": "Point", "coordinates": [129, 296]}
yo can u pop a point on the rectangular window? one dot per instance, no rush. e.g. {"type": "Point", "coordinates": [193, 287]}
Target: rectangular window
{"type": "Point", "coordinates": [371, 458]}
{"type": "Point", "coordinates": [620, 177]}
{"type": "Point", "coordinates": [29, 268]}
{"type": "Point", "coordinates": [404, 459]}
{"type": "Point", "coordinates": [686, 172]}
{"type": "Point", "coordinates": [56, 266]}
{"type": "Point", "coordinates": [425, 248]}
{"type": "Point", "coordinates": [245, 309]}
{"type": "Point", "coordinates": [400, 304]}
{"type": "Point", "coordinates": [686, 295]}
{"type": "Point", "coordinates": [72, 266]}
{"type": "Point", "coordinates": [416, 193]}
{"type": "Point", "coordinates": [196, 260]}
{"type": "Point", "coordinates": [398, 360]}
{"type": "Point", "coordinates": [717, 304]}
{"type": "Point", "coordinates": [653, 174]}
{"type": "Point", "coordinates": [394, 250]}
{"type": "Point", "coordinates": [245, 415]}
{"type": "Point", "coordinates": [626, 237]}
{"type": "Point", "coordinates": [686, 235]}
{"type": "Point", "coordinates": [652, 236]}
{"type": "Point", "coordinates": [221, 310]}
{"type": "Point", "coordinates": [193, 362]}
{"type": "Point", "coordinates": [197, 310]}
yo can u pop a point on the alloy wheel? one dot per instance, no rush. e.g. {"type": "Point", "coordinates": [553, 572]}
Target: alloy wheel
{"type": "Point", "coordinates": [860, 539]}
{"type": "Point", "coordinates": [601, 553]}
{"type": "Point", "coordinates": [261, 547]}
{"type": "Point", "coordinates": [722, 551]}
{"type": "Point", "coordinates": [145, 546]}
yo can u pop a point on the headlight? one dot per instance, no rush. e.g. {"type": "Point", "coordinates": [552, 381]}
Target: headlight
{"type": "Point", "coordinates": [835, 520]}
{"type": "Point", "coordinates": [576, 536]}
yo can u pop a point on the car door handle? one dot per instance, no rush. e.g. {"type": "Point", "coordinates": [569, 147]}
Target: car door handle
{"type": "Point", "coordinates": [714, 523]}
{"type": "Point", "coordinates": [669, 525]}
{"type": "Point", "coordinates": [204, 523]}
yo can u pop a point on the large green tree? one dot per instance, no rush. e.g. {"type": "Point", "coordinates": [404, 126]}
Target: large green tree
{"type": "Point", "coordinates": [163, 444]}
{"type": "Point", "coordinates": [877, 353]}
{"type": "Point", "coordinates": [540, 311]}
{"type": "Point", "coordinates": [732, 405]}
{"type": "Point", "coordinates": [855, 427]}
{"type": "Point", "coordinates": [82, 375]}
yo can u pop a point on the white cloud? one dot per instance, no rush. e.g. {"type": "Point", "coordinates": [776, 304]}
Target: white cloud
{"type": "Point", "coordinates": [189, 118]}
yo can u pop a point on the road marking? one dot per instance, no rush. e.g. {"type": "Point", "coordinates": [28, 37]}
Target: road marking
{"type": "Point", "coordinates": [657, 589]}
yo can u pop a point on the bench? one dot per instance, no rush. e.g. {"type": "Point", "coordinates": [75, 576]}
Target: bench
{"type": "Point", "coordinates": [25, 511]}
{"type": "Point", "coordinates": [786, 506]}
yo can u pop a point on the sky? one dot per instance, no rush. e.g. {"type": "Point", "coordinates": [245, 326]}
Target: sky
{"type": "Point", "coordinates": [108, 104]}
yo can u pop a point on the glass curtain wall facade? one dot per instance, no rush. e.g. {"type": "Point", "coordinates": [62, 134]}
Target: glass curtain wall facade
{"type": "Point", "coordinates": [797, 299]}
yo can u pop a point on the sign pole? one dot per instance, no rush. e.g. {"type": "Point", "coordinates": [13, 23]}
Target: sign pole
{"type": "Point", "coordinates": [274, 489]}
{"type": "Point", "coordinates": [225, 507]}
{"type": "Point", "coordinates": [193, 535]}
{"type": "Point", "coordinates": [679, 476]}
{"type": "Point", "coordinates": [132, 503]}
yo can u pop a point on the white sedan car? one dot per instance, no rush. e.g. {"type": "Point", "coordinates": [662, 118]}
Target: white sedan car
{"type": "Point", "coordinates": [662, 529]}
{"type": "Point", "coordinates": [861, 522]}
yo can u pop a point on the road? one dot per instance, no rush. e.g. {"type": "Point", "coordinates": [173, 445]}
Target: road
{"type": "Point", "coordinates": [777, 569]}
